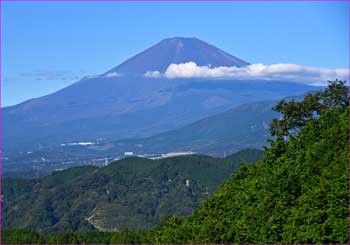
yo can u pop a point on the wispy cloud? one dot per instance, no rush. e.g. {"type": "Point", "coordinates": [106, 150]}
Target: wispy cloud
{"type": "Point", "coordinates": [10, 78]}
{"type": "Point", "coordinates": [49, 75]}
{"type": "Point", "coordinates": [57, 75]}
{"type": "Point", "coordinates": [113, 74]}
{"type": "Point", "coordinates": [287, 72]}
{"type": "Point", "coordinates": [153, 74]}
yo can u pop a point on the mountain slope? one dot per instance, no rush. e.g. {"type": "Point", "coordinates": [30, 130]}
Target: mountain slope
{"type": "Point", "coordinates": [122, 103]}
{"type": "Point", "coordinates": [174, 51]}
{"type": "Point", "coordinates": [242, 127]}
{"type": "Point", "coordinates": [131, 193]}
{"type": "Point", "coordinates": [245, 126]}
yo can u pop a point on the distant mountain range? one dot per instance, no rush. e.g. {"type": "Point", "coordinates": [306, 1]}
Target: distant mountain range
{"type": "Point", "coordinates": [245, 126]}
{"type": "Point", "coordinates": [131, 193]}
{"type": "Point", "coordinates": [242, 127]}
{"type": "Point", "coordinates": [122, 103]}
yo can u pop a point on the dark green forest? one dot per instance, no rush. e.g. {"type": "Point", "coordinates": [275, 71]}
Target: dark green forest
{"type": "Point", "coordinates": [298, 193]}
{"type": "Point", "coordinates": [133, 193]}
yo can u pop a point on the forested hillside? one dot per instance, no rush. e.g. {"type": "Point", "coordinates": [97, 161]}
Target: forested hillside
{"type": "Point", "coordinates": [132, 193]}
{"type": "Point", "coordinates": [296, 194]}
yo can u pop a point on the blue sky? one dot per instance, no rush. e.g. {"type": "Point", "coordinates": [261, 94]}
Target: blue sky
{"type": "Point", "coordinates": [47, 46]}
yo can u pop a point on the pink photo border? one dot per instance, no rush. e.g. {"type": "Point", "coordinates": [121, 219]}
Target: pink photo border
{"type": "Point", "coordinates": [198, 1]}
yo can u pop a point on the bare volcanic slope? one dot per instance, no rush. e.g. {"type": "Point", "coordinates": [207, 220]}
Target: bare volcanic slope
{"type": "Point", "coordinates": [174, 51]}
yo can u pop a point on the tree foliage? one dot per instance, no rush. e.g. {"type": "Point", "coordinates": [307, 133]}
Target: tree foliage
{"type": "Point", "coordinates": [296, 113]}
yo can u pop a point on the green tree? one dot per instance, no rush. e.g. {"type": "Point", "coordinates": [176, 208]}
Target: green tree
{"type": "Point", "coordinates": [296, 113]}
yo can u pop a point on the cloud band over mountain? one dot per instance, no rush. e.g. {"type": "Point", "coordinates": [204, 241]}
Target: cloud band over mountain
{"type": "Point", "coordinates": [290, 72]}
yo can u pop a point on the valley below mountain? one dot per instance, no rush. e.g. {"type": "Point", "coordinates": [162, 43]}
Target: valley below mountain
{"type": "Point", "coordinates": [242, 127]}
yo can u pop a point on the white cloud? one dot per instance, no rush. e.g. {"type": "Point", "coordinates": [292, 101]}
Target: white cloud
{"type": "Point", "coordinates": [153, 74]}
{"type": "Point", "coordinates": [113, 74]}
{"type": "Point", "coordinates": [290, 72]}
{"type": "Point", "coordinates": [89, 77]}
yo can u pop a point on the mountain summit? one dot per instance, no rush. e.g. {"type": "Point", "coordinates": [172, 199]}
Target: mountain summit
{"type": "Point", "coordinates": [174, 51]}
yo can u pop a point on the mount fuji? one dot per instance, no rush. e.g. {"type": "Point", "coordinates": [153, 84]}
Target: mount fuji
{"type": "Point", "coordinates": [122, 103]}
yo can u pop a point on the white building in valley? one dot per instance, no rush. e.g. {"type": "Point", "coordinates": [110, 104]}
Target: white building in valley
{"type": "Point", "coordinates": [128, 153]}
